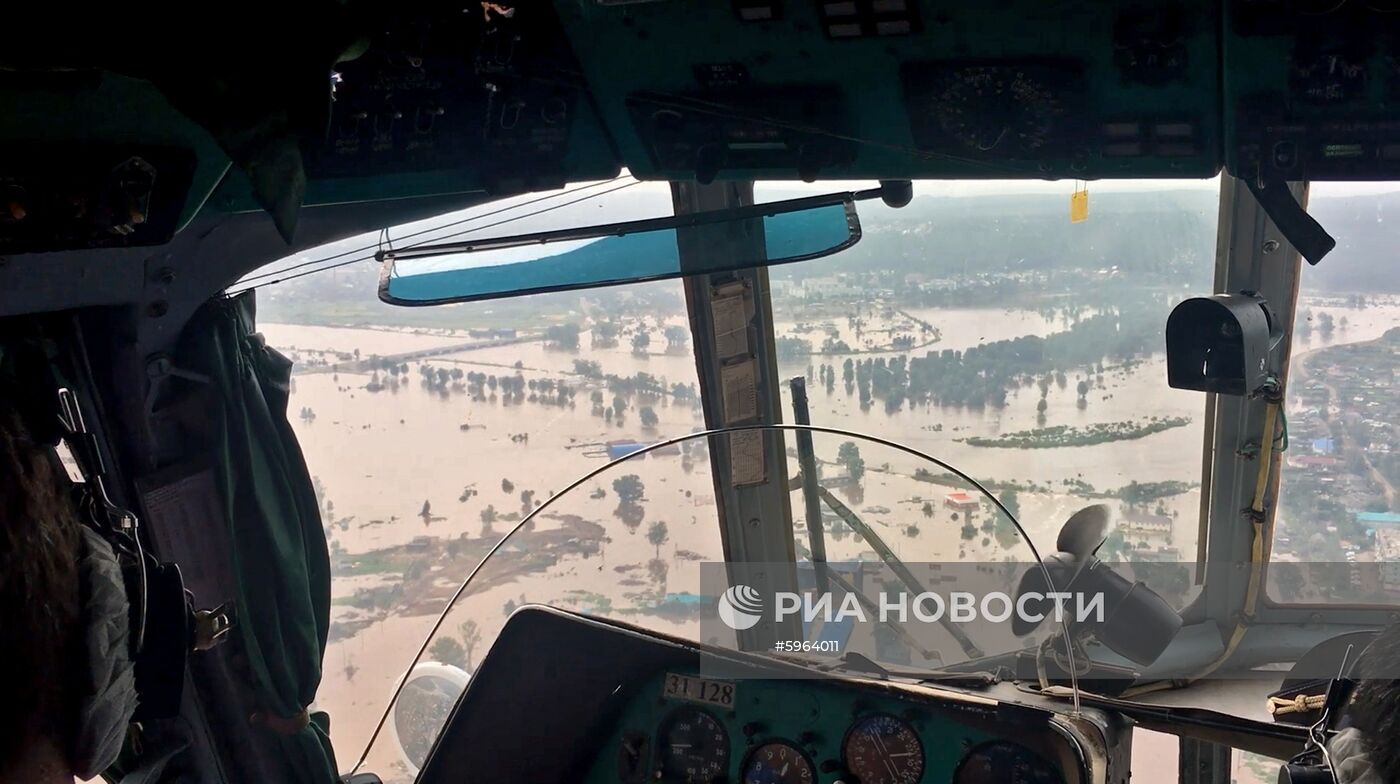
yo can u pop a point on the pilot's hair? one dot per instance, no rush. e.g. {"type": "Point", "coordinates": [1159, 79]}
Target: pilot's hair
{"type": "Point", "coordinates": [40, 628]}
{"type": "Point", "coordinates": [1375, 708]}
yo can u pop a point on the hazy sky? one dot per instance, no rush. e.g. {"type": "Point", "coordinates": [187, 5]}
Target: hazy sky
{"type": "Point", "coordinates": [588, 212]}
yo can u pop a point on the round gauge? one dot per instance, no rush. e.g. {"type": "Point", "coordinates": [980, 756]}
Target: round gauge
{"type": "Point", "coordinates": [1004, 762]}
{"type": "Point", "coordinates": [778, 762]}
{"type": "Point", "coordinates": [990, 108]}
{"type": "Point", "coordinates": [692, 747]}
{"type": "Point", "coordinates": [882, 749]}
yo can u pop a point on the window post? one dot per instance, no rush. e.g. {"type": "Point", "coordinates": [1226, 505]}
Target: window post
{"type": "Point", "coordinates": [731, 321]}
{"type": "Point", "coordinates": [1251, 255]}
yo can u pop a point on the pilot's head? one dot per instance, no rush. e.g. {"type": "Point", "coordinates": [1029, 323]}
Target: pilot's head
{"type": "Point", "coordinates": [1375, 708]}
{"type": "Point", "coordinates": [40, 628]}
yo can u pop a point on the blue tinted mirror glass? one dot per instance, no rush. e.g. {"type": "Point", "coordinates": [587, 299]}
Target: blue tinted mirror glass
{"type": "Point", "coordinates": [626, 253]}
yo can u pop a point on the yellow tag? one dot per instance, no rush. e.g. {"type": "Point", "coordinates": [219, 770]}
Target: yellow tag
{"type": "Point", "coordinates": [1079, 205]}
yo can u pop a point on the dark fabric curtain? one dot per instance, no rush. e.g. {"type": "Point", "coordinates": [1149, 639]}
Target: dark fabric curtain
{"type": "Point", "coordinates": [278, 545]}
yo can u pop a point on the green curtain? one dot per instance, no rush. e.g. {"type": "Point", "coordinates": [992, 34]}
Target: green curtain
{"type": "Point", "coordinates": [278, 544]}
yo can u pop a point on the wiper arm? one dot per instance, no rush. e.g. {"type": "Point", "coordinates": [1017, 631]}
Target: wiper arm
{"type": "Point", "coordinates": [897, 566]}
{"type": "Point", "coordinates": [869, 605]}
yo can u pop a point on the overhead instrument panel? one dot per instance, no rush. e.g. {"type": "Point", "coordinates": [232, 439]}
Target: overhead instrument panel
{"type": "Point", "coordinates": [53, 198]}
{"type": "Point", "coordinates": [1016, 110]}
{"type": "Point", "coordinates": [482, 96]}
{"type": "Point", "coordinates": [859, 88]}
{"type": "Point", "coordinates": [1312, 89]}
{"type": "Point", "coordinates": [1037, 112]}
{"type": "Point", "coordinates": [738, 126]}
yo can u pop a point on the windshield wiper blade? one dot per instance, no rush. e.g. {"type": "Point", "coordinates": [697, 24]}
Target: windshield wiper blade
{"type": "Point", "coordinates": [897, 566]}
{"type": "Point", "coordinates": [869, 605]}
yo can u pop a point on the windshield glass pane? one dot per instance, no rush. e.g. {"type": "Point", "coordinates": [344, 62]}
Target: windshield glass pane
{"type": "Point", "coordinates": [648, 554]}
{"type": "Point", "coordinates": [978, 324]}
{"type": "Point", "coordinates": [981, 326]}
{"type": "Point", "coordinates": [1337, 497]}
{"type": "Point", "coordinates": [429, 432]}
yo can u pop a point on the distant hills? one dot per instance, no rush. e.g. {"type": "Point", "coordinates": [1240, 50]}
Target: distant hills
{"type": "Point", "coordinates": [959, 236]}
{"type": "Point", "coordinates": [1367, 256]}
{"type": "Point", "coordinates": [1156, 235]}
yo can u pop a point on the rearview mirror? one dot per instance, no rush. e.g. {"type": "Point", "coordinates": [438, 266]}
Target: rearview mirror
{"type": "Point", "coordinates": [609, 254]}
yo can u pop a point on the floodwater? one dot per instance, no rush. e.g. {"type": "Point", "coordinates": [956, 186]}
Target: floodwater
{"type": "Point", "coordinates": [380, 457]}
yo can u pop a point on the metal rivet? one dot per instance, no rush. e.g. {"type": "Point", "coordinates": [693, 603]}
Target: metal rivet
{"type": "Point", "coordinates": [1270, 246]}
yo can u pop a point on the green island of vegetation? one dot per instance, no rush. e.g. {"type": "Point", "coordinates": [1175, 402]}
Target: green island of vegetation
{"type": "Point", "coordinates": [1134, 494]}
{"type": "Point", "coordinates": [1067, 435]}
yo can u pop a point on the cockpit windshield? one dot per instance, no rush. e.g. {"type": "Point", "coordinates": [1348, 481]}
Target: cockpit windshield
{"type": "Point", "coordinates": [990, 330]}
{"type": "Point", "coordinates": [994, 326]}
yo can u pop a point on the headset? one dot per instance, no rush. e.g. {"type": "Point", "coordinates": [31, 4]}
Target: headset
{"type": "Point", "coordinates": [139, 621]}
{"type": "Point", "coordinates": [1337, 748]}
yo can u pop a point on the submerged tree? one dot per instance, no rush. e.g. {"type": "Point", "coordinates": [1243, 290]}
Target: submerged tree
{"type": "Point", "coordinates": [657, 535]}
{"type": "Point", "coordinates": [604, 334]}
{"type": "Point", "coordinates": [629, 489]}
{"type": "Point", "coordinates": [471, 637]}
{"type": "Point", "coordinates": [562, 335]}
{"type": "Point", "coordinates": [676, 338]}
{"type": "Point", "coordinates": [848, 455]}
{"type": "Point", "coordinates": [448, 651]}
{"type": "Point", "coordinates": [1012, 501]}
{"type": "Point", "coordinates": [657, 570]}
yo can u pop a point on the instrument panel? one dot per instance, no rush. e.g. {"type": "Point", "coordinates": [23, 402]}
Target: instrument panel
{"type": "Point", "coordinates": [416, 99]}
{"type": "Point", "coordinates": [1312, 89]}
{"type": "Point", "coordinates": [907, 89]}
{"type": "Point", "coordinates": [485, 95]}
{"type": "Point", "coordinates": [608, 703]}
{"type": "Point", "coordinates": [682, 727]}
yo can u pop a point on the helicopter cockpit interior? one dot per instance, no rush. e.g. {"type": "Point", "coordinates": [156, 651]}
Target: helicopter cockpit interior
{"type": "Point", "coordinates": [761, 391]}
